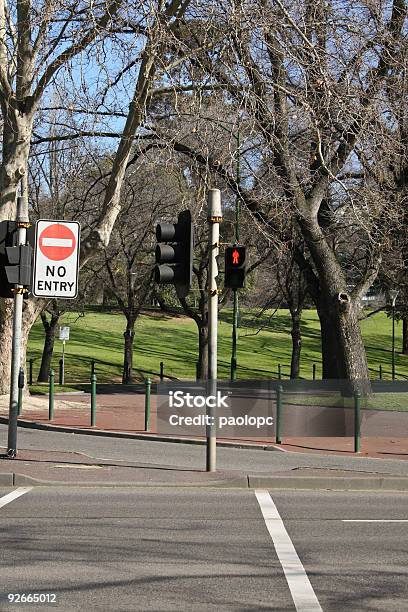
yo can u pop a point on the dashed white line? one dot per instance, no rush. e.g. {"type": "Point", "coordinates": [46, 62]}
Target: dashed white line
{"type": "Point", "coordinates": [6, 499]}
{"type": "Point", "coordinates": [302, 592]}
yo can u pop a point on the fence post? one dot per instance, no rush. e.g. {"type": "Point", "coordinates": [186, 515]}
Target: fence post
{"type": "Point", "coordinates": [314, 371]}
{"type": "Point", "coordinates": [93, 400]}
{"type": "Point", "coordinates": [161, 371]}
{"type": "Point", "coordinates": [20, 391]}
{"type": "Point", "coordinates": [279, 392]}
{"type": "Point", "coordinates": [357, 411]}
{"type": "Point", "coordinates": [51, 396]}
{"type": "Point", "coordinates": [30, 372]}
{"type": "Point", "coordinates": [147, 404]}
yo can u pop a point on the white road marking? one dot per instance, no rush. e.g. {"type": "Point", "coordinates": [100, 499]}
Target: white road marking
{"type": "Point", "coordinates": [13, 495]}
{"type": "Point", "coordinates": [301, 590]}
{"type": "Point", "coordinates": [374, 520]}
{"type": "Point", "coordinates": [58, 242]}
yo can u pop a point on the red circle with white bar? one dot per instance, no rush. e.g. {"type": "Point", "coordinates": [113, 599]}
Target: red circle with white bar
{"type": "Point", "coordinates": [57, 242]}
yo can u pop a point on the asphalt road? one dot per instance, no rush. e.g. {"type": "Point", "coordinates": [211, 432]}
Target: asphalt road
{"type": "Point", "coordinates": [193, 456]}
{"type": "Point", "coordinates": [187, 549]}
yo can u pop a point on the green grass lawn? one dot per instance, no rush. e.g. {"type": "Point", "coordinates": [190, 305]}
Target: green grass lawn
{"type": "Point", "coordinates": [263, 343]}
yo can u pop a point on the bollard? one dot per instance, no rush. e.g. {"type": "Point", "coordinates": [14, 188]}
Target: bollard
{"type": "Point", "coordinates": [92, 367]}
{"type": "Point", "coordinates": [279, 371]}
{"type": "Point", "coordinates": [51, 396]}
{"type": "Point", "coordinates": [20, 391]}
{"type": "Point", "coordinates": [93, 400]}
{"type": "Point", "coordinates": [147, 404]}
{"type": "Point", "coordinates": [314, 371]}
{"type": "Point", "coordinates": [380, 372]}
{"type": "Point", "coordinates": [61, 372]}
{"type": "Point", "coordinates": [357, 410]}
{"type": "Point", "coordinates": [161, 371]}
{"type": "Point", "coordinates": [30, 372]}
{"type": "Point", "coordinates": [279, 393]}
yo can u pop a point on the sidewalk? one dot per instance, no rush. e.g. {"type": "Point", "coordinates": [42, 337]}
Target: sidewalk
{"type": "Point", "coordinates": [122, 414]}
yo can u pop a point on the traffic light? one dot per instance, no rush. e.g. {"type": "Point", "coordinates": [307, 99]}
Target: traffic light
{"type": "Point", "coordinates": [15, 261]}
{"type": "Point", "coordinates": [174, 253]}
{"type": "Point", "coordinates": [234, 266]}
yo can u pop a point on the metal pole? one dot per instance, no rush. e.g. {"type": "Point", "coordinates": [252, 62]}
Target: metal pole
{"type": "Point", "coordinates": [62, 377]}
{"type": "Point", "coordinates": [380, 372]}
{"type": "Point", "coordinates": [148, 384]}
{"type": "Point", "coordinates": [51, 397]}
{"type": "Point", "coordinates": [393, 340]}
{"type": "Point", "coordinates": [279, 371]}
{"type": "Point", "coordinates": [214, 218]}
{"type": "Point", "coordinates": [314, 371]}
{"type": "Point", "coordinates": [357, 407]}
{"type": "Point", "coordinates": [93, 400]}
{"type": "Point", "coordinates": [161, 371]}
{"type": "Point", "coordinates": [236, 302]}
{"type": "Point", "coordinates": [234, 337]}
{"type": "Point", "coordinates": [22, 222]}
{"type": "Point", "coordinates": [92, 366]}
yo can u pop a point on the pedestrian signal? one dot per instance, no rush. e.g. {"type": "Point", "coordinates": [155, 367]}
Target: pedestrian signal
{"type": "Point", "coordinates": [235, 266]}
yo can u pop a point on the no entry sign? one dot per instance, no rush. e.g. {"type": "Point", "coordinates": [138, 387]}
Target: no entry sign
{"type": "Point", "coordinates": [56, 259]}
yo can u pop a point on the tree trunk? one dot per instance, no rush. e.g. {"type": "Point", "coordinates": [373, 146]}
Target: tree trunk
{"type": "Point", "coordinates": [202, 370]}
{"type": "Point", "coordinates": [405, 336]}
{"type": "Point", "coordinates": [343, 351]}
{"type": "Point", "coordinates": [129, 336]}
{"type": "Point", "coordinates": [296, 344]}
{"type": "Point", "coordinates": [6, 325]}
{"type": "Point", "coordinates": [48, 349]}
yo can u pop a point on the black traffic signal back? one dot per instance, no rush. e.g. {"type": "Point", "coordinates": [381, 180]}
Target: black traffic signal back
{"type": "Point", "coordinates": [235, 266]}
{"type": "Point", "coordinates": [15, 261]}
{"type": "Point", "coordinates": [174, 253]}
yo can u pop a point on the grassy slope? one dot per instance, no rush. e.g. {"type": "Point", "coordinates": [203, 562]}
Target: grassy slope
{"type": "Point", "coordinates": [263, 343]}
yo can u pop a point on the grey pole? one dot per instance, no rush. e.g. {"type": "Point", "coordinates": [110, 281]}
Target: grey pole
{"type": "Point", "coordinates": [22, 222]}
{"type": "Point", "coordinates": [214, 218]}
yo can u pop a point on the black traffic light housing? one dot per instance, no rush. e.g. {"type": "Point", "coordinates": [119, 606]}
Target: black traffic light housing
{"type": "Point", "coordinates": [235, 256]}
{"type": "Point", "coordinates": [15, 261]}
{"type": "Point", "coordinates": [174, 253]}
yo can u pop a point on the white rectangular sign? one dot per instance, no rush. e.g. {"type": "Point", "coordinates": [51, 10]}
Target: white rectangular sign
{"type": "Point", "coordinates": [64, 333]}
{"type": "Point", "coordinates": [56, 259]}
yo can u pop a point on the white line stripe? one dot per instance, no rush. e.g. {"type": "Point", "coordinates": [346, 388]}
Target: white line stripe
{"type": "Point", "coordinates": [374, 520]}
{"type": "Point", "coordinates": [13, 495]}
{"type": "Point", "coordinates": [301, 590]}
{"type": "Point", "coordinates": [58, 242]}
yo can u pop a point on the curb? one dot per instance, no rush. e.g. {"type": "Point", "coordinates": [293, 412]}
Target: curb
{"type": "Point", "coordinates": [139, 436]}
{"type": "Point", "coordinates": [310, 483]}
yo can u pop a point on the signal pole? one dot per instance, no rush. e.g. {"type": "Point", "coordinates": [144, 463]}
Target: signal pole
{"type": "Point", "coordinates": [235, 303]}
{"type": "Point", "coordinates": [214, 218]}
{"type": "Point", "coordinates": [22, 224]}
